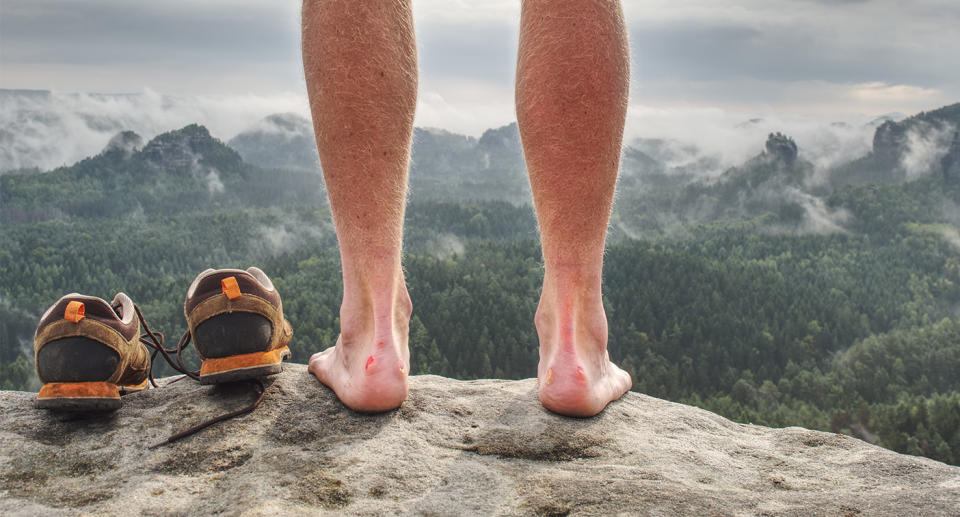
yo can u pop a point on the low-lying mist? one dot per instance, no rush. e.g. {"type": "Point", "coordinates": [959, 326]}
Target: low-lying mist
{"type": "Point", "coordinates": [729, 138]}
{"type": "Point", "coordinates": [45, 130]}
{"type": "Point", "coordinates": [48, 129]}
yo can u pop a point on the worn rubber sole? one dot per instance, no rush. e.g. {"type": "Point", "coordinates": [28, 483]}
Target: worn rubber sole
{"type": "Point", "coordinates": [84, 396]}
{"type": "Point", "coordinates": [242, 367]}
{"type": "Point", "coordinates": [79, 396]}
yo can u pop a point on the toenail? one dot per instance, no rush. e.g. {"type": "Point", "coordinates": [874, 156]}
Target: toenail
{"type": "Point", "coordinates": [380, 343]}
{"type": "Point", "coordinates": [581, 372]}
{"type": "Point", "coordinates": [369, 362]}
{"type": "Point", "coordinates": [549, 376]}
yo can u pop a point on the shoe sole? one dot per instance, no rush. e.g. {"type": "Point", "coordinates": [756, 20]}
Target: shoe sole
{"type": "Point", "coordinates": [83, 396]}
{"type": "Point", "coordinates": [242, 367]}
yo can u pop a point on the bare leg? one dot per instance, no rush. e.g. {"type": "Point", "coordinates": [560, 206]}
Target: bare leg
{"type": "Point", "coordinates": [572, 88]}
{"type": "Point", "coordinates": [360, 63]}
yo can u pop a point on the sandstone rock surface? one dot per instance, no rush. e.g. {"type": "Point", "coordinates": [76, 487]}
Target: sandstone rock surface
{"type": "Point", "coordinates": [454, 448]}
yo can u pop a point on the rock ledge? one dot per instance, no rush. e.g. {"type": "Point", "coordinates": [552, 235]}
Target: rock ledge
{"type": "Point", "coordinates": [454, 448]}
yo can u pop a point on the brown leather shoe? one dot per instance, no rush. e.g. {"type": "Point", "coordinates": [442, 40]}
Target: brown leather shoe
{"type": "Point", "coordinates": [236, 323]}
{"type": "Point", "coordinates": [87, 352]}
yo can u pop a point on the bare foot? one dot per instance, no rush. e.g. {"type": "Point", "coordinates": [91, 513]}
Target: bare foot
{"type": "Point", "coordinates": [576, 377]}
{"type": "Point", "coordinates": [368, 366]}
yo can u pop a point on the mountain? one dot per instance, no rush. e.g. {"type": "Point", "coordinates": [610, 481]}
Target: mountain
{"type": "Point", "coordinates": [904, 150]}
{"type": "Point", "coordinates": [444, 165]}
{"type": "Point", "coordinates": [759, 291]}
{"type": "Point", "coordinates": [771, 187]}
{"type": "Point", "coordinates": [917, 157]}
{"type": "Point", "coordinates": [188, 150]}
{"type": "Point", "coordinates": [187, 169]}
{"type": "Point", "coordinates": [950, 164]}
{"type": "Point", "coordinates": [456, 167]}
{"type": "Point", "coordinates": [124, 142]}
{"type": "Point", "coordinates": [279, 141]}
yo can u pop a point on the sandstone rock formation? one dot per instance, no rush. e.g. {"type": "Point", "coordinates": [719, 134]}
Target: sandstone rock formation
{"type": "Point", "coordinates": [782, 148]}
{"type": "Point", "coordinates": [125, 142]}
{"type": "Point", "coordinates": [454, 448]}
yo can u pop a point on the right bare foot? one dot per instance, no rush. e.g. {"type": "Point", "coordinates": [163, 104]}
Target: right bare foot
{"type": "Point", "coordinates": [575, 376]}
{"type": "Point", "coordinates": [368, 366]}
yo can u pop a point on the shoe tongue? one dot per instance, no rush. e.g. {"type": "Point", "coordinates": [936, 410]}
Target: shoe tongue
{"type": "Point", "coordinates": [212, 283]}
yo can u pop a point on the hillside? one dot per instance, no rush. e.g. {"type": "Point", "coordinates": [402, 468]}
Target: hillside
{"type": "Point", "coordinates": [756, 293]}
{"type": "Point", "coordinates": [454, 448]}
{"type": "Point", "coordinates": [918, 145]}
{"type": "Point", "coordinates": [445, 166]}
{"type": "Point", "coordinates": [185, 170]}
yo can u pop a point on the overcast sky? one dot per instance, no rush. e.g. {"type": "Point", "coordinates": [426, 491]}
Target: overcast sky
{"type": "Point", "coordinates": [817, 58]}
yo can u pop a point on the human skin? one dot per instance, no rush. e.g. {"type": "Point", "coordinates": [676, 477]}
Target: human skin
{"type": "Point", "coordinates": [360, 62]}
{"type": "Point", "coordinates": [572, 80]}
{"type": "Point", "coordinates": [571, 94]}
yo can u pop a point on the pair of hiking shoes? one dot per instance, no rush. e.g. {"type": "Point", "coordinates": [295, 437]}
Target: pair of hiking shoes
{"type": "Point", "coordinates": [89, 352]}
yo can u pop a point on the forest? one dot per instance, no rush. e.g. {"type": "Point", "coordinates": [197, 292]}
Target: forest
{"type": "Point", "coordinates": [744, 314]}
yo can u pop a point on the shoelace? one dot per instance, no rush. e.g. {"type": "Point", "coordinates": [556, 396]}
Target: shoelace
{"type": "Point", "coordinates": [154, 340]}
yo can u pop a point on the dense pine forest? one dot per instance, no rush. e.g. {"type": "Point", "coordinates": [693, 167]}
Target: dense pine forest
{"type": "Point", "coordinates": [759, 295]}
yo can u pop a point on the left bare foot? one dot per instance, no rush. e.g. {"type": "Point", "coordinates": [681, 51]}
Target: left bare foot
{"type": "Point", "coordinates": [368, 366]}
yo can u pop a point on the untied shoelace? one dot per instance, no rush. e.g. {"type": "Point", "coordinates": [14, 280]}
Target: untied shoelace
{"type": "Point", "coordinates": [154, 341]}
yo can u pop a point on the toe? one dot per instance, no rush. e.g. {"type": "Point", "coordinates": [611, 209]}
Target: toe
{"type": "Point", "coordinates": [314, 365]}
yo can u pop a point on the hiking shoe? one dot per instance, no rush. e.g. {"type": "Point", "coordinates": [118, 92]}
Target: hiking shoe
{"type": "Point", "coordinates": [236, 323]}
{"type": "Point", "coordinates": [87, 352]}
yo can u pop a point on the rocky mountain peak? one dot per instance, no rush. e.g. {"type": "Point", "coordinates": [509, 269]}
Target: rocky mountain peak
{"type": "Point", "coordinates": [502, 138]}
{"type": "Point", "coordinates": [125, 142]}
{"type": "Point", "coordinates": [186, 148]}
{"type": "Point", "coordinates": [782, 148]}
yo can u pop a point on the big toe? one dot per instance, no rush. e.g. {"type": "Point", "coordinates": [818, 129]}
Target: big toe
{"type": "Point", "coordinates": [622, 385]}
{"type": "Point", "coordinates": [314, 365]}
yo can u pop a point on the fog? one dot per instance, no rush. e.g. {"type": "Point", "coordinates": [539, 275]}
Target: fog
{"type": "Point", "coordinates": [50, 129]}
{"type": "Point", "coordinates": [927, 144]}
{"type": "Point", "coordinates": [730, 138]}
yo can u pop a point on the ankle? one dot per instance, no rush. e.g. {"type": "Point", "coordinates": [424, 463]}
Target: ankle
{"type": "Point", "coordinates": [570, 314]}
{"type": "Point", "coordinates": [376, 307]}
{"type": "Point", "coordinates": [571, 287]}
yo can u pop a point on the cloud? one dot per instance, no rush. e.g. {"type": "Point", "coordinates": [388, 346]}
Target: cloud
{"type": "Point", "coordinates": [795, 64]}
{"type": "Point", "coordinates": [469, 50]}
{"type": "Point", "coordinates": [927, 144]}
{"type": "Point", "coordinates": [459, 11]}
{"type": "Point", "coordinates": [212, 179]}
{"type": "Point", "coordinates": [881, 91]}
{"type": "Point", "coordinates": [118, 31]}
{"type": "Point", "coordinates": [444, 246]}
{"type": "Point", "coordinates": [47, 130]}
{"type": "Point", "coordinates": [818, 217]}
{"type": "Point", "coordinates": [466, 107]}
{"type": "Point", "coordinates": [174, 46]}
{"type": "Point", "coordinates": [684, 51]}
{"type": "Point", "coordinates": [732, 137]}
{"type": "Point", "coordinates": [287, 233]}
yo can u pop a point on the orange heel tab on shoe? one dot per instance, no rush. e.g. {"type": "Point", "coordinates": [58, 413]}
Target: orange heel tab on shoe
{"type": "Point", "coordinates": [74, 312]}
{"type": "Point", "coordinates": [230, 287]}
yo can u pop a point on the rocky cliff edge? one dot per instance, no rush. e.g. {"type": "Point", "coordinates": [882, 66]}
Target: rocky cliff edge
{"type": "Point", "coordinates": [453, 448]}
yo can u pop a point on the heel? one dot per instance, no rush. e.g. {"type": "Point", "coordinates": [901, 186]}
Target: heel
{"type": "Point", "coordinates": [134, 388]}
{"type": "Point", "coordinates": [241, 367]}
{"type": "Point", "coordinates": [79, 396]}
